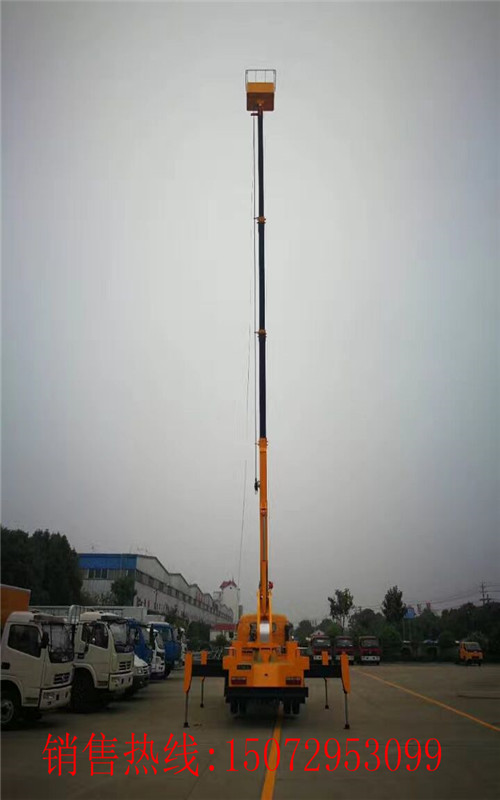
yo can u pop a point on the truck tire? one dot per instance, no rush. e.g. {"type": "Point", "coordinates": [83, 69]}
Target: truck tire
{"type": "Point", "coordinates": [167, 673]}
{"type": "Point", "coordinates": [82, 692]}
{"type": "Point", "coordinates": [11, 707]}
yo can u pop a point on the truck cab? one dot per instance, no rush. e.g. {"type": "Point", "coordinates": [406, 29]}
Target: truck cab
{"type": "Point", "coordinates": [37, 665]}
{"type": "Point", "coordinates": [470, 653]}
{"type": "Point", "coordinates": [104, 659]}
{"type": "Point", "coordinates": [172, 648]}
{"type": "Point", "coordinates": [343, 644]}
{"type": "Point", "coordinates": [141, 637]}
{"type": "Point", "coordinates": [318, 645]}
{"type": "Point", "coordinates": [369, 650]}
{"type": "Point", "coordinates": [158, 666]}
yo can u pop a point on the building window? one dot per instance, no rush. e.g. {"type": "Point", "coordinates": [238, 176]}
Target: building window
{"type": "Point", "coordinates": [98, 574]}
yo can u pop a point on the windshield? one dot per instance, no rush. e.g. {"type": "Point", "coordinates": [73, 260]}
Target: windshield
{"type": "Point", "coordinates": [60, 646]}
{"type": "Point", "coordinates": [321, 642]}
{"type": "Point", "coordinates": [343, 643]}
{"type": "Point", "coordinates": [159, 640]}
{"type": "Point", "coordinates": [368, 641]}
{"type": "Point", "coordinates": [165, 633]}
{"type": "Point", "coordinates": [472, 647]}
{"type": "Point", "coordinates": [122, 637]}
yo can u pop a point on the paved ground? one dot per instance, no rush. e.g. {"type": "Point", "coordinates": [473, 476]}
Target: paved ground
{"type": "Point", "coordinates": [384, 704]}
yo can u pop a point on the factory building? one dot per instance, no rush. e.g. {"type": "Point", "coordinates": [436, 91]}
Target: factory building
{"type": "Point", "coordinates": [160, 591]}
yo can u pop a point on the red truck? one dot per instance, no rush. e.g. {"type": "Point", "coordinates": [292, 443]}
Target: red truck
{"type": "Point", "coordinates": [369, 650]}
{"type": "Point", "coordinates": [318, 645]}
{"type": "Point", "coordinates": [343, 644]}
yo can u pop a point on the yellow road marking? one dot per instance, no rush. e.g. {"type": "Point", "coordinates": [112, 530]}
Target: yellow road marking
{"type": "Point", "coordinates": [431, 700]}
{"type": "Point", "coordinates": [268, 788]}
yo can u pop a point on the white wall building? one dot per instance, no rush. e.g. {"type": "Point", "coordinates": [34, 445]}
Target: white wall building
{"type": "Point", "coordinates": [159, 590]}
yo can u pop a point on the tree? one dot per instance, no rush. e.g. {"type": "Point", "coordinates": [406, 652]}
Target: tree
{"type": "Point", "coordinates": [391, 642]}
{"type": "Point", "coordinates": [198, 635]}
{"type": "Point", "coordinates": [123, 591]}
{"type": "Point", "coordinates": [220, 640]}
{"type": "Point", "coordinates": [393, 607]}
{"type": "Point", "coordinates": [341, 605]}
{"type": "Point", "coordinates": [330, 628]}
{"type": "Point", "coordinates": [45, 563]}
{"type": "Point", "coordinates": [366, 622]}
{"type": "Point", "coordinates": [426, 626]}
{"type": "Point", "coordinates": [16, 564]}
{"type": "Point", "coordinates": [303, 631]}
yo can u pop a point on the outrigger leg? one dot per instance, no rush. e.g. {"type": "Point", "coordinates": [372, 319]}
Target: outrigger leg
{"type": "Point", "coordinates": [346, 726]}
{"type": "Point", "coordinates": [188, 671]}
{"type": "Point", "coordinates": [346, 685]}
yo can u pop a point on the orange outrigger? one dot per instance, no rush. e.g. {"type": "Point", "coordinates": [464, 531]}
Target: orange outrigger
{"type": "Point", "coordinates": [263, 663]}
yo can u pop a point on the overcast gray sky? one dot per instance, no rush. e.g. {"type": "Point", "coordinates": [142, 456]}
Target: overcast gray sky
{"type": "Point", "coordinates": [127, 275]}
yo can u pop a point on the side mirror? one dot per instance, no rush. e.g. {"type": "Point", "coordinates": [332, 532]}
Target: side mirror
{"type": "Point", "coordinates": [45, 640]}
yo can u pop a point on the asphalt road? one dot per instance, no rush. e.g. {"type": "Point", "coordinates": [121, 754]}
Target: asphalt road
{"type": "Point", "coordinates": [458, 707]}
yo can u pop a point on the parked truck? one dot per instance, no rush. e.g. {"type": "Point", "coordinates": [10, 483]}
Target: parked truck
{"type": "Point", "coordinates": [141, 638]}
{"type": "Point", "coordinates": [158, 663]}
{"type": "Point", "coordinates": [142, 674]}
{"type": "Point", "coordinates": [171, 645]}
{"type": "Point", "coordinates": [37, 659]}
{"type": "Point", "coordinates": [343, 644]}
{"type": "Point", "coordinates": [319, 644]}
{"type": "Point", "coordinates": [470, 653]}
{"type": "Point", "coordinates": [369, 650]}
{"type": "Point", "coordinates": [104, 658]}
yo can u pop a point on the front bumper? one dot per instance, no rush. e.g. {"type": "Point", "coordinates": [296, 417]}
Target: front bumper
{"type": "Point", "coordinates": [141, 680]}
{"type": "Point", "coordinates": [267, 694]}
{"type": "Point", "coordinates": [55, 698]}
{"type": "Point", "coordinates": [120, 681]}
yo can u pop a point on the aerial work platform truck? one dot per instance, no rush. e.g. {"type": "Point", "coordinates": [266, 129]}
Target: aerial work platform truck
{"type": "Point", "coordinates": [264, 663]}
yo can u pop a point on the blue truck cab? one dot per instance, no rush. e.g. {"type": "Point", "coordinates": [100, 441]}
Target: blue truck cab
{"type": "Point", "coordinates": [141, 638]}
{"type": "Point", "coordinates": [172, 646]}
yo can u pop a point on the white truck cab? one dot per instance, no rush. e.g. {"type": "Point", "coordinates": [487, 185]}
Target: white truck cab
{"type": "Point", "coordinates": [158, 659]}
{"type": "Point", "coordinates": [104, 658]}
{"type": "Point", "coordinates": [37, 665]}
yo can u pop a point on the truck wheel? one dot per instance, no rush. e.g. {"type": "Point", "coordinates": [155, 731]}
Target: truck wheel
{"type": "Point", "coordinates": [82, 692]}
{"type": "Point", "coordinates": [296, 707]}
{"type": "Point", "coordinates": [11, 707]}
{"type": "Point", "coordinates": [167, 673]}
